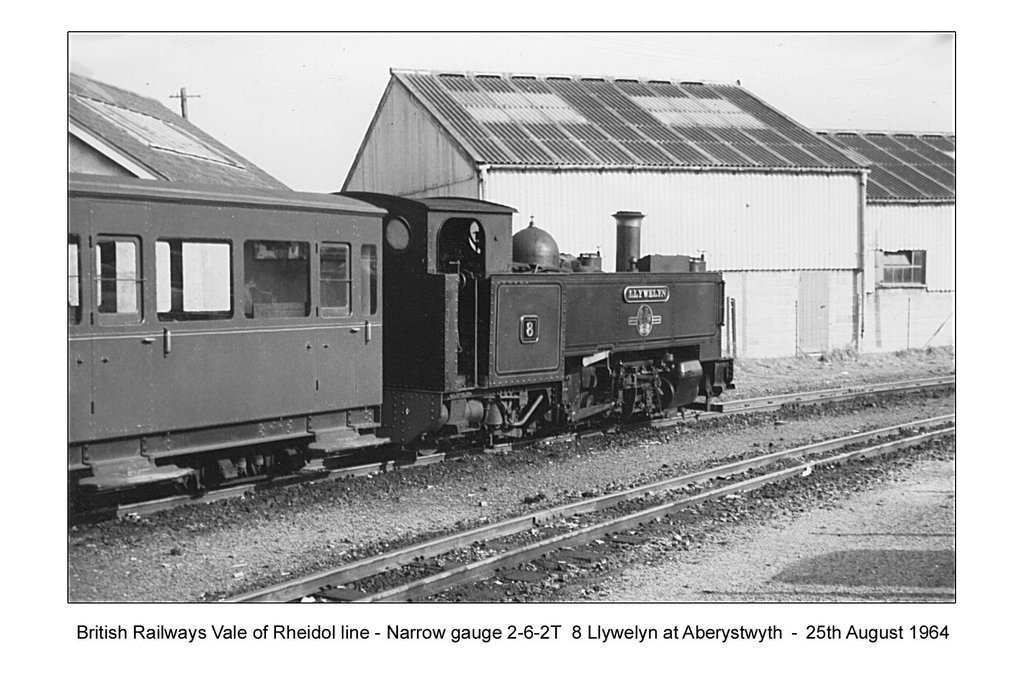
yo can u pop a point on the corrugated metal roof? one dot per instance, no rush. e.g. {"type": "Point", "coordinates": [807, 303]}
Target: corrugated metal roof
{"type": "Point", "coordinates": [905, 167]}
{"type": "Point", "coordinates": [538, 121]}
{"type": "Point", "coordinates": [150, 134]}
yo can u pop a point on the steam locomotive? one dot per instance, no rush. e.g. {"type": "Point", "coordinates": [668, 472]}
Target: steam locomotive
{"type": "Point", "coordinates": [218, 335]}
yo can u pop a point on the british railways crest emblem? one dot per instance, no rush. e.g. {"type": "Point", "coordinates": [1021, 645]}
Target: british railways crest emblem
{"type": "Point", "coordinates": [645, 320]}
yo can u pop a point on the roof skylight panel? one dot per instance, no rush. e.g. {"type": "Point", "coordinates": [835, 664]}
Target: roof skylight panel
{"type": "Point", "coordinates": [156, 133]}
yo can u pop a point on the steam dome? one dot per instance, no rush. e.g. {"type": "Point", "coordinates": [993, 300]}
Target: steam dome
{"type": "Point", "coordinates": [535, 247]}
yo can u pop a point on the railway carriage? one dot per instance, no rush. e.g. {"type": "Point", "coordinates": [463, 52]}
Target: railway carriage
{"type": "Point", "coordinates": [217, 334]}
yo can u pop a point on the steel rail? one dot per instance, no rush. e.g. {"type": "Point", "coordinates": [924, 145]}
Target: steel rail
{"type": "Point", "coordinates": [357, 570]}
{"type": "Point", "coordinates": [776, 401]}
{"type": "Point", "coordinates": [478, 570]}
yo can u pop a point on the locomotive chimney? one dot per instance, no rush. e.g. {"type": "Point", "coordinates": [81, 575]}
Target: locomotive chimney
{"type": "Point", "coordinates": [627, 240]}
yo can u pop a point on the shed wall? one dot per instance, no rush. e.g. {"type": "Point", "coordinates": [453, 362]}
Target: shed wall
{"type": "Point", "coordinates": [742, 220]}
{"type": "Point", "coordinates": [898, 318]}
{"type": "Point", "coordinates": [768, 316]}
{"type": "Point", "coordinates": [406, 153]}
{"type": "Point", "coordinates": [927, 227]}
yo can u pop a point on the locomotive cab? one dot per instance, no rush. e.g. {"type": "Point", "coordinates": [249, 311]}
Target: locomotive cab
{"type": "Point", "coordinates": [438, 295]}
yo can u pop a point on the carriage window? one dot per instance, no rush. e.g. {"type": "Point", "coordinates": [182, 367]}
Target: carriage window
{"type": "Point", "coordinates": [118, 277]}
{"type": "Point", "coordinates": [368, 258]}
{"type": "Point", "coordinates": [335, 280]}
{"type": "Point", "coordinates": [276, 279]}
{"type": "Point", "coordinates": [193, 280]}
{"type": "Point", "coordinates": [74, 282]}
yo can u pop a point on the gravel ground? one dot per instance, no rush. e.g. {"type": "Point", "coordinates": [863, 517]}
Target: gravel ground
{"type": "Point", "coordinates": [893, 542]}
{"type": "Point", "coordinates": [207, 552]}
{"type": "Point", "coordinates": [761, 377]}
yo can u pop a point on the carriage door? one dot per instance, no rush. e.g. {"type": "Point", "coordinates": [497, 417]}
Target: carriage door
{"type": "Point", "coordinates": [349, 347]}
{"type": "Point", "coordinates": [123, 348]}
{"type": "Point", "coordinates": [79, 340]}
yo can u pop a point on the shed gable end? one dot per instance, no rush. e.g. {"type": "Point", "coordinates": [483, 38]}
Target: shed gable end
{"type": "Point", "coordinates": [406, 152]}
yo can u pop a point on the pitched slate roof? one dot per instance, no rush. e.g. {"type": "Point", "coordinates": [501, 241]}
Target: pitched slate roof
{"type": "Point", "coordinates": [547, 120]}
{"type": "Point", "coordinates": [905, 167]}
{"type": "Point", "coordinates": [164, 143]}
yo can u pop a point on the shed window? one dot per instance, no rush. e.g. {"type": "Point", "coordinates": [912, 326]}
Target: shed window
{"type": "Point", "coordinates": [119, 278]}
{"type": "Point", "coordinates": [276, 278]}
{"type": "Point", "coordinates": [74, 282]}
{"type": "Point", "coordinates": [335, 280]}
{"type": "Point", "coordinates": [193, 280]}
{"type": "Point", "coordinates": [903, 268]}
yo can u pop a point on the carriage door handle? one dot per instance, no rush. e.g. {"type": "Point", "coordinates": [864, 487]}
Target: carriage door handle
{"type": "Point", "coordinates": [369, 330]}
{"type": "Point", "coordinates": [148, 340]}
{"type": "Point", "coordinates": [167, 342]}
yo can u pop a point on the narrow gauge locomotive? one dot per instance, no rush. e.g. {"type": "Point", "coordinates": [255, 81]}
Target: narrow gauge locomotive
{"type": "Point", "coordinates": [218, 334]}
{"type": "Point", "coordinates": [488, 334]}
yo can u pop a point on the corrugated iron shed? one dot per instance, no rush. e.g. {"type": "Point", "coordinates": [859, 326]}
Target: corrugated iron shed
{"type": "Point", "coordinates": [150, 134]}
{"type": "Point", "coordinates": [905, 167]}
{"type": "Point", "coordinates": [558, 121]}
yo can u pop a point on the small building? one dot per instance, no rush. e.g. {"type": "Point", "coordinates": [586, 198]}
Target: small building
{"type": "Point", "coordinates": [115, 132]}
{"type": "Point", "coordinates": [909, 235]}
{"type": "Point", "coordinates": [715, 169]}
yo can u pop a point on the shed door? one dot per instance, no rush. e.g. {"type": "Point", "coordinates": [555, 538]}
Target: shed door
{"type": "Point", "coordinates": [812, 313]}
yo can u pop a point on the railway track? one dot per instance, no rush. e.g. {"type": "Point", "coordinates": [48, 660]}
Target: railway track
{"type": "Point", "coordinates": [385, 577]}
{"type": "Point", "coordinates": [317, 473]}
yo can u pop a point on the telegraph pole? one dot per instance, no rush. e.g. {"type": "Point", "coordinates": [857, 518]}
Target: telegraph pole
{"type": "Point", "coordinates": [185, 96]}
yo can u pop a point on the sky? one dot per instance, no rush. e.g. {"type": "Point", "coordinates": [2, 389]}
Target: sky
{"type": "Point", "coordinates": [298, 104]}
